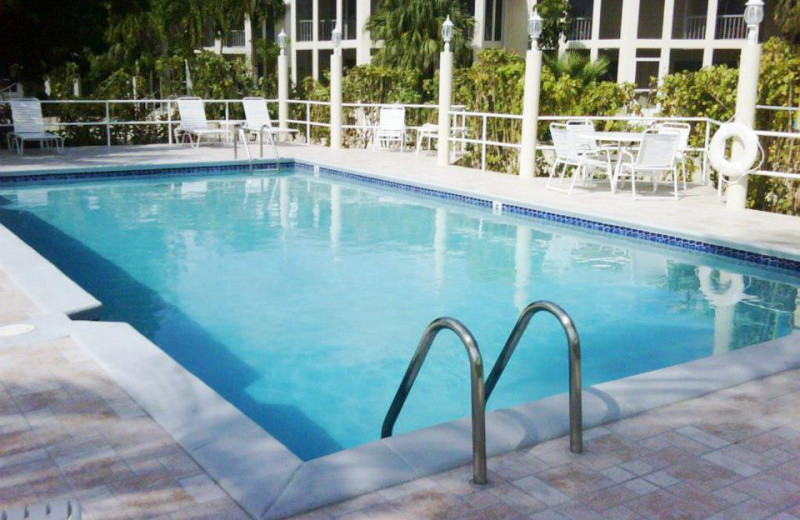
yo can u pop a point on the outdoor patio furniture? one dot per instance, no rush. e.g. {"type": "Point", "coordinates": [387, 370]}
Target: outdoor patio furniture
{"type": "Point", "coordinates": [26, 114]}
{"type": "Point", "coordinates": [258, 121]}
{"type": "Point", "coordinates": [570, 154]}
{"type": "Point", "coordinates": [194, 123]}
{"type": "Point", "coordinates": [55, 510]}
{"type": "Point", "coordinates": [655, 157]}
{"type": "Point", "coordinates": [683, 129]}
{"type": "Point", "coordinates": [391, 127]}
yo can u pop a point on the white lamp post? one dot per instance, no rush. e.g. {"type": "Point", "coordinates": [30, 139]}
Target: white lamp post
{"type": "Point", "coordinates": [283, 81]}
{"type": "Point", "coordinates": [530, 100]}
{"type": "Point", "coordinates": [445, 93]}
{"type": "Point", "coordinates": [746, 94]}
{"type": "Point", "coordinates": [336, 89]}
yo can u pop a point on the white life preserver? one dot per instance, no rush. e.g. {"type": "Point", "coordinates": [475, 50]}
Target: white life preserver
{"type": "Point", "coordinates": [733, 169]}
{"type": "Point", "coordinates": [726, 291]}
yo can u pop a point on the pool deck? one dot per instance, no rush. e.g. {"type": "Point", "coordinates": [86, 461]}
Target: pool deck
{"type": "Point", "coordinates": [68, 429]}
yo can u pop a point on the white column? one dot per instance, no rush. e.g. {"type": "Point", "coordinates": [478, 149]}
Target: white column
{"type": "Point", "coordinates": [445, 101]}
{"type": "Point", "coordinates": [440, 245]}
{"type": "Point", "coordinates": [594, 52]}
{"type": "Point", "coordinates": [364, 45]}
{"type": "Point", "coordinates": [248, 44]}
{"type": "Point", "coordinates": [336, 99]}
{"type": "Point", "coordinates": [522, 267]}
{"type": "Point", "coordinates": [627, 47]}
{"type": "Point", "coordinates": [723, 328]}
{"type": "Point", "coordinates": [283, 90]}
{"type": "Point", "coordinates": [530, 111]}
{"type": "Point", "coordinates": [480, 24]}
{"type": "Point", "coordinates": [746, 99]}
{"type": "Point", "coordinates": [291, 32]}
{"type": "Point", "coordinates": [711, 32]}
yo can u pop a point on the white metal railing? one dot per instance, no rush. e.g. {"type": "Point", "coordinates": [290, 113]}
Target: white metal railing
{"type": "Point", "coordinates": [731, 27]}
{"type": "Point", "coordinates": [694, 27]}
{"type": "Point", "coordinates": [581, 28]}
{"type": "Point", "coordinates": [234, 38]}
{"type": "Point", "coordinates": [305, 30]}
{"type": "Point", "coordinates": [161, 111]}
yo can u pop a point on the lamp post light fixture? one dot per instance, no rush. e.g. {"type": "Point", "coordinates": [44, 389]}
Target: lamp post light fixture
{"type": "Point", "coordinates": [753, 16]}
{"type": "Point", "coordinates": [336, 38]}
{"type": "Point", "coordinates": [447, 33]}
{"type": "Point", "coordinates": [282, 40]}
{"type": "Point", "coordinates": [534, 28]}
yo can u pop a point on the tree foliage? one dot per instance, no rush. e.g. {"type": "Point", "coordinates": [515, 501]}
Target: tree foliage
{"type": "Point", "coordinates": [411, 32]}
{"type": "Point", "coordinates": [786, 14]}
{"type": "Point", "coordinates": [555, 22]}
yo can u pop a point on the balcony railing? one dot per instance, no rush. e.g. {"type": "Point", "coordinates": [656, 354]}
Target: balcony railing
{"type": "Point", "coordinates": [305, 30]}
{"type": "Point", "coordinates": [234, 39]}
{"type": "Point", "coordinates": [729, 27]}
{"type": "Point", "coordinates": [581, 28]}
{"type": "Point", "coordinates": [694, 27]}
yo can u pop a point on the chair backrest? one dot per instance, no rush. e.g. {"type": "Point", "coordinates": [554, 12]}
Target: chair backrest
{"type": "Point", "coordinates": [581, 131]}
{"type": "Point", "coordinates": [193, 113]}
{"type": "Point", "coordinates": [392, 118]}
{"type": "Point", "coordinates": [658, 149]}
{"type": "Point", "coordinates": [683, 129]}
{"type": "Point", "coordinates": [564, 143]}
{"type": "Point", "coordinates": [26, 113]}
{"type": "Point", "coordinates": [256, 112]}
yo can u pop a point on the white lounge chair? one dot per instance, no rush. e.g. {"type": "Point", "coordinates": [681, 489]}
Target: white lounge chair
{"type": "Point", "coordinates": [571, 154]}
{"type": "Point", "coordinates": [56, 510]}
{"type": "Point", "coordinates": [656, 156]}
{"type": "Point", "coordinates": [258, 122]}
{"type": "Point", "coordinates": [194, 123]}
{"type": "Point", "coordinates": [391, 127]}
{"type": "Point", "coordinates": [26, 114]}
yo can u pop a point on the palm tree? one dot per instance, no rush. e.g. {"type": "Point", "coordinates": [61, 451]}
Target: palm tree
{"type": "Point", "coordinates": [411, 33]}
{"type": "Point", "coordinates": [260, 12]}
{"type": "Point", "coordinates": [786, 14]}
{"type": "Point", "coordinates": [578, 67]}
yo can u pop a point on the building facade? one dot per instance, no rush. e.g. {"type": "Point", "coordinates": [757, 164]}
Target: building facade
{"type": "Point", "coordinates": [641, 39]}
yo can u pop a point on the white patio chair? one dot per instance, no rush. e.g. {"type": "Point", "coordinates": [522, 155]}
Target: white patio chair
{"type": "Point", "coordinates": [391, 127]}
{"type": "Point", "coordinates": [684, 130]}
{"type": "Point", "coordinates": [26, 114]}
{"type": "Point", "coordinates": [655, 157]}
{"type": "Point", "coordinates": [258, 122]}
{"type": "Point", "coordinates": [570, 155]}
{"type": "Point", "coordinates": [194, 123]}
{"type": "Point", "coordinates": [55, 510]}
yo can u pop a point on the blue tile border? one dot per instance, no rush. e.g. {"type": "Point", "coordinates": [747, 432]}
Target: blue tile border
{"type": "Point", "coordinates": [628, 232]}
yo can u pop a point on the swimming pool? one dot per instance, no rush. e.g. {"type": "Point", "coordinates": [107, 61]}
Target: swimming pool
{"type": "Point", "coordinates": [301, 299]}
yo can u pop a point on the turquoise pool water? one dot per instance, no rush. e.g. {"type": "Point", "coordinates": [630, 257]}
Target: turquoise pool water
{"type": "Point", "coordinates": [301, 300]}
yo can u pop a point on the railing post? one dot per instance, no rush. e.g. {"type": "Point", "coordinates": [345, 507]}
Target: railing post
{"type": "Point", "coordinates": [483, 142]}
{"type": "Point", "coordinates": [308, 123]}
{"type": "Point", "coordinates": [108, 124]}
{"type": "Point", "coordinates": [705, 151]}
{"type": "Point", "coordinates": [169, 121]}
{"type": "Point", "coordinates": [227, 111]}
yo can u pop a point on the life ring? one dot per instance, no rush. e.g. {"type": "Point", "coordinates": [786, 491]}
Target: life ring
{"type": "Point", "coordinates": [726, 291]}
{"type": "Point", "coordinates": [733, 169]}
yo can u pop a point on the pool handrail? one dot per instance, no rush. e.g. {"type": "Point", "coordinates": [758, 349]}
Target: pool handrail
{"type": "Point", "coordinates": [476, 380]}
{"type": "Point", "coordinates": [575, 404]}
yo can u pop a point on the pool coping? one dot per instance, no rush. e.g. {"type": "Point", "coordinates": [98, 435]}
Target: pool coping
{"type": "Point", "coordinates": [270, 482]}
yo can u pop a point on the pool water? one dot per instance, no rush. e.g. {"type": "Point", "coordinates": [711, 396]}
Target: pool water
{"type": "Point", "coordinates": [301, 300]}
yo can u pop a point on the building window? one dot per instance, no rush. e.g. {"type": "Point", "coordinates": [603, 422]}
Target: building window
{"type": "Point", "coordinates": [305, 67]}
{"type": "Point", "coordinates": [685, 59]}
{"type": "Point", "coordinates": [651, 19]}
{"type": "Point", "coordinates": [610, 19]}
{"type": "Point", "coordinates": [493, 24]}
{"type": "Point", "coordinates": [612, 55]}
{"type": "Point", "coordinates": [646, 67]}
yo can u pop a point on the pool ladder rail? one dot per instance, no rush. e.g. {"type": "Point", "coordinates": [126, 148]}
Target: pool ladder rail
{"type": "Point", "coordinates": [242, 134]}
{"type": "Point", "coordinates": [482, 391]}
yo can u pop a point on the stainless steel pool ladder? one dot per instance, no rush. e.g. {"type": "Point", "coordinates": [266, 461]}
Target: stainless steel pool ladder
{"type": "Point", "coordinates": [481, 392]}
{"type": "Point", "coordinates": [245, 142]}
{"type": "Point", "coordinates": [476, 379]}
{"type": "Point", "coordinates": [574, 346]}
